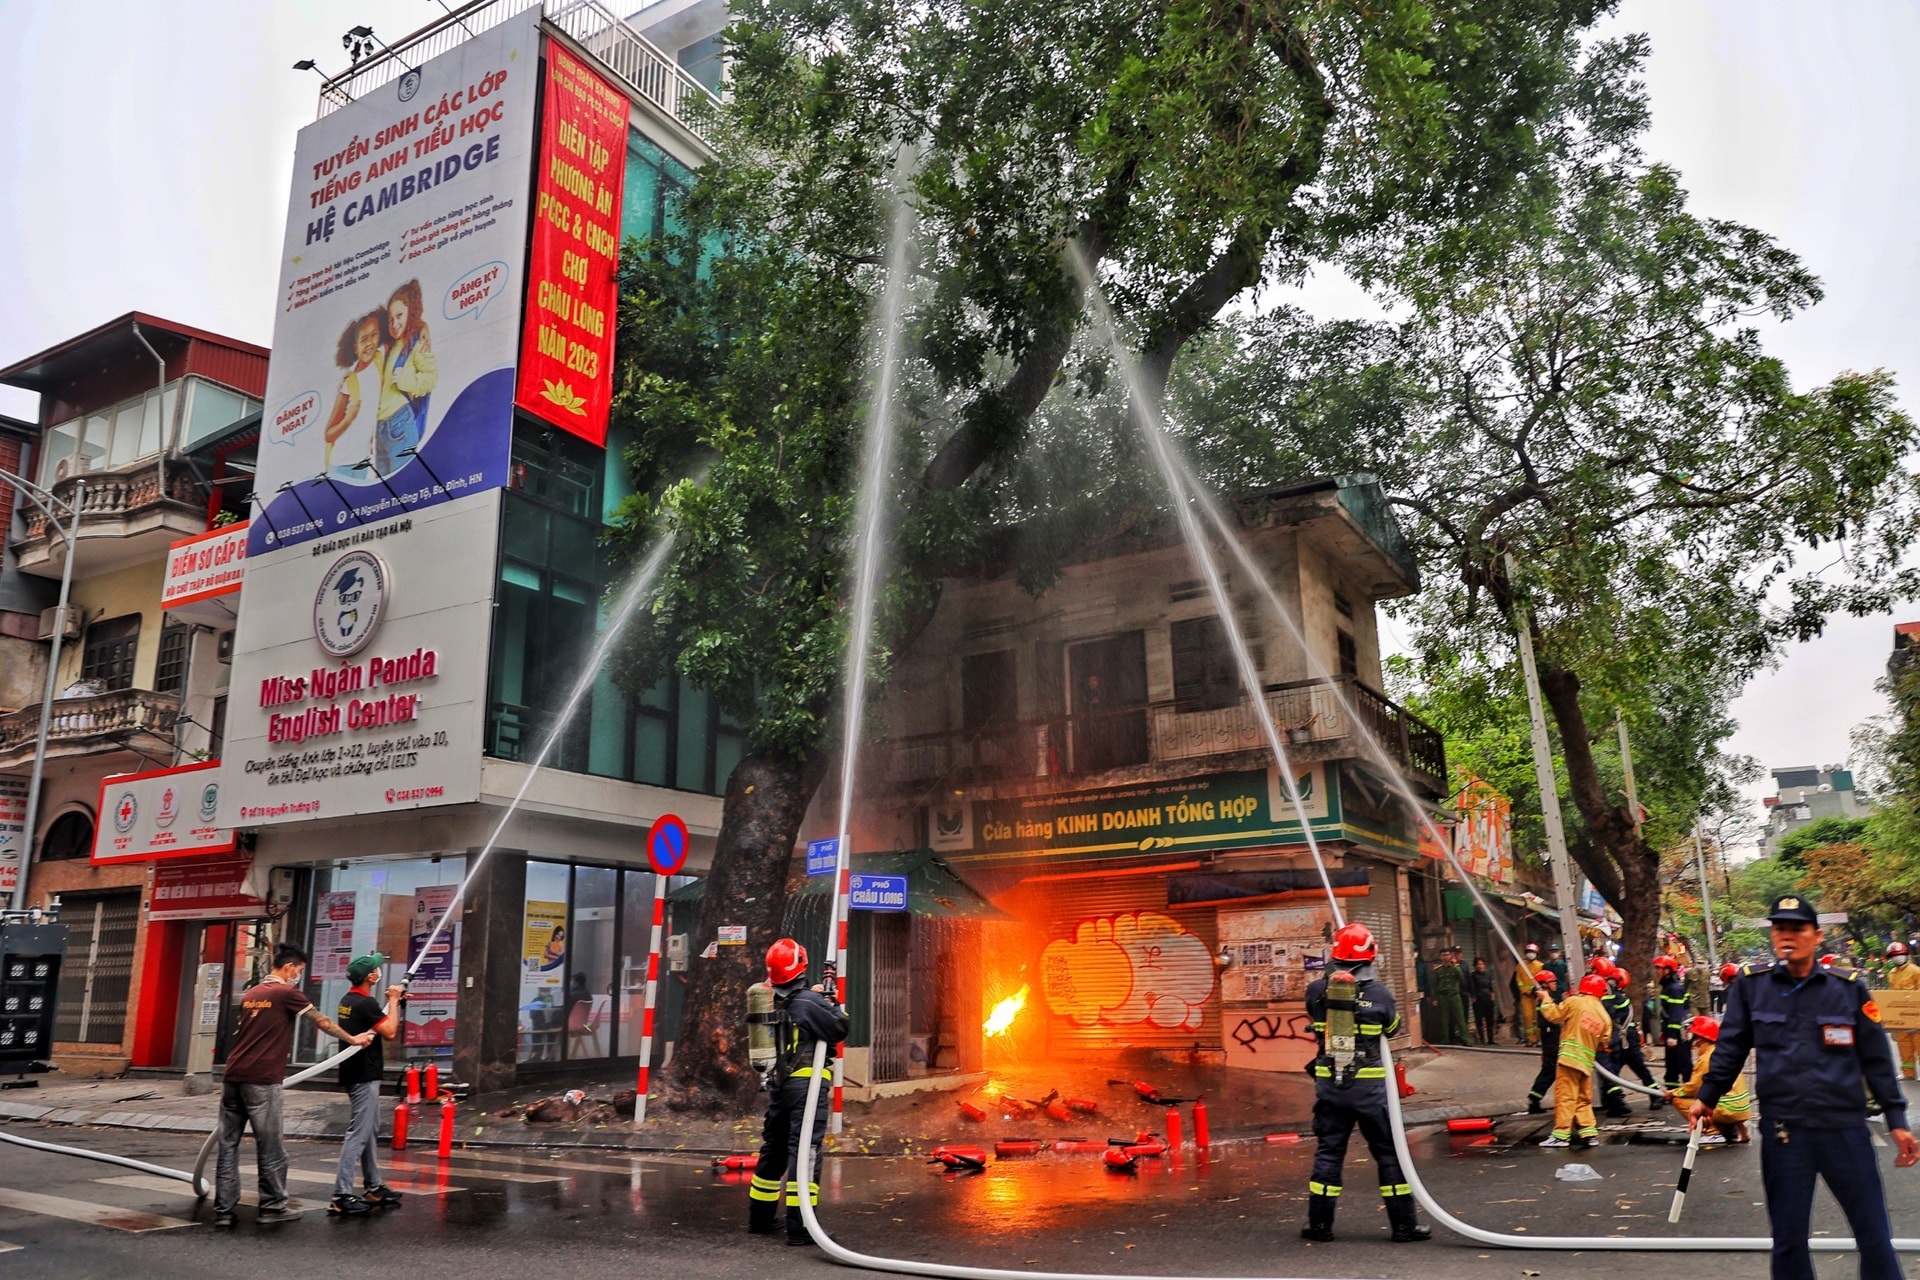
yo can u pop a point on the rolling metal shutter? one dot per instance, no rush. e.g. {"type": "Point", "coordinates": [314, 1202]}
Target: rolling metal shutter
{"type": "Point", "coordinates": [101, 931]}
{"type": "Point", "coordinates": [1380, 912]}
{"type": "Point", "coordinates": [1057, 909]}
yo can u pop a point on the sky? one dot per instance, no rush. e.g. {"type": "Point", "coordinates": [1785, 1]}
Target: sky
{"type": "Point", "coordinates": [147, 149]}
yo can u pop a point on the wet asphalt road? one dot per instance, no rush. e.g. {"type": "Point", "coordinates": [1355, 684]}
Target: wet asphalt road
{"type": "Point", "coordinates": [593, 1214]}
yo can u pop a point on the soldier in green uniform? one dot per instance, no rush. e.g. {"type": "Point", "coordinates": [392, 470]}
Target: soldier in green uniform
{"type": "Point", "coordinates": [1449, 992]}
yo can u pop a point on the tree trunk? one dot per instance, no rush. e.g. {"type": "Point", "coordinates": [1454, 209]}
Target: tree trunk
{"type": "Point", "coordinates": [1624, 858]}
{"type": "Point", "coordinates": [767, 796]}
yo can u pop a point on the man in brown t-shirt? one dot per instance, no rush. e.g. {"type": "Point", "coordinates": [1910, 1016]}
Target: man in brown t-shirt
{"type": "Point", "coordinates": [250, 1094]}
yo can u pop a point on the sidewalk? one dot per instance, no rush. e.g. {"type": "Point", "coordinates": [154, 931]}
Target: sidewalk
{"type": "Point", "coordinates": [1243, 1106]}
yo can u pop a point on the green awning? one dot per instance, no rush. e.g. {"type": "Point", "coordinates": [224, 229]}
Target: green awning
{"type": "Point", "coordinates": [933, 888]}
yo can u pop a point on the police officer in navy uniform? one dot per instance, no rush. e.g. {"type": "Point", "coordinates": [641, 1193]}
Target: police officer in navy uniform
{"type": "Point", "coordinates": [1818, 1040]}
{"type": "Point", "coordinates": [806, 1016]}
{"type": "Point", "coordinates": [1350, 1088]}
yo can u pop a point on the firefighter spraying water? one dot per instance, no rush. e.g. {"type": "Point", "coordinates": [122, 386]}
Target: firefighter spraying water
{"type": "Point", "coordinates": [786, 1019]}
{"type": "Point", "coordinates": [1351, 1012]}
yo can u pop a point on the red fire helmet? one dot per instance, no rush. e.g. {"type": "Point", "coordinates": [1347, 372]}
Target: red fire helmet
{"type": "Point", "coordinates": [1897, 949]}
{"type": "Point", "coordinates": [1545, 978]}
{"type": "Point", "coordinates": [1354, 943]}
{"type": "Point", "coordinates": [1729, 971]}
{"type": "Point", "coordinates": [1665, 962]}
{"type": "Point", "coordinates": [786, 960]}
{"type": "Point", "coordinates": [1593, 985]}
{"type": "Point", "coordinates": [1705, 1028]}
{"type": "Point", "coordinates": [1600, 965]}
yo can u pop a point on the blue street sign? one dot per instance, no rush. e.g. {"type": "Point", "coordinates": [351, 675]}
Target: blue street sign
{"type": "Point", "coordinates": [823, 856]}
{"type": "Point", "coordinates": [877, 893]}
{"type": "Point", "coordinates": [667, 844]}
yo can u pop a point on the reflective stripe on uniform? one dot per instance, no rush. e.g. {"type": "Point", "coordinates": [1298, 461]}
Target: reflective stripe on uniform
{"type": "Point", "coordinates": [1324, 1188]}
{"type": "Point", "coordinates": [793, 1194]}
{"type": "Point", "coordinates": [767, 1189]}
{"type": "Point", "coordinates": [801, 1074]}
{"type": "Point", "coordinates": [1391, 1189]}
{"type": "Point", "coordinates": [1371, 1073]}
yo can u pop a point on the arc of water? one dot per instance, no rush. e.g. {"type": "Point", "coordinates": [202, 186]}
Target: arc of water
{"type": "Point", "coordinates": [1153, 429]}
{"type": "Point", "coordinates": [875, 471]}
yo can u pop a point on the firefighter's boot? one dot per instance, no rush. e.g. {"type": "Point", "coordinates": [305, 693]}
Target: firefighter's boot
{"type": "Point", "coordinates": [1406, 1225]}
{"type": "Point", "coordinates": [1320, 1208]}
{"type": "Point", "coordinates": [763, 1207]}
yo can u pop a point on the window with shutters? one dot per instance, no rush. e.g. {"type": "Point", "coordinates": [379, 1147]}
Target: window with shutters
{"type": "Point", "coordinates": [170, 669]}
{"type": "Point", "coordinates": [1349, 655]}
{"type": "Point", "coordinates": [111, 648]}
{"type": "Point", "coordinates": [1203, 673]}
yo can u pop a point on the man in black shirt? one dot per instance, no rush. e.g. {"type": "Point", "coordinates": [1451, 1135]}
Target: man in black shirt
{"type": "Point", "coordinates": [360, 1076]}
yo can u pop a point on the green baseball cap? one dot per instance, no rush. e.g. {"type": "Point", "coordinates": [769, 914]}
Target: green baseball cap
{"type": "Point", "coordinates": [362, 966]}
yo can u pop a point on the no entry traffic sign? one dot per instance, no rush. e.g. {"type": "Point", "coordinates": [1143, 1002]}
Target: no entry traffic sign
{"type": "Point", "coordinates": [667, 844]}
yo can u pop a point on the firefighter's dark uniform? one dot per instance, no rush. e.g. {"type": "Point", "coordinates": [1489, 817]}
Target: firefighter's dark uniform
{"type": "Point", "coordinates": [1357, 1096]}
{"type": "Point", "coordinates": [1676, 1010]}
{"type": "Point", "coordinates": [1549, 1061]}
{"type": "Point", "coordinates": [1817, 1040]}
{"type": "Point", "coordinates": [808, 1018]}
{"type": "Point", "coordinates": [1623, 1053]}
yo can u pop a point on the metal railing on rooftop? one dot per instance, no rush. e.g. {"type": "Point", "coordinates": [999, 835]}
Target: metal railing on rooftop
{"type": "Point", "coordinates": [643, 65]}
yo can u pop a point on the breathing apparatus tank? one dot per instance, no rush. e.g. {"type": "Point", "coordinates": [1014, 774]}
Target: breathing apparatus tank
{"type": "Point", "coordinates": [762, 1052]}
{"type": "Point", "coordinates": [1341, 992]}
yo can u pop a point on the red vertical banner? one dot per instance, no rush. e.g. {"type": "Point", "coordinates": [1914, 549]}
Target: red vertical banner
{"type": "Point", "coordinates": [566, 343]}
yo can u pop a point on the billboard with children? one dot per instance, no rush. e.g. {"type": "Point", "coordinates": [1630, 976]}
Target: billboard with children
{"type": "Point", "coordinates": [392, 379]}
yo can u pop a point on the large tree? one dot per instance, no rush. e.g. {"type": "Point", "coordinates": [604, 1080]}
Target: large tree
{"type": "Point", "coordinates": [1190, 150]}
{"type": "Point", "coordinates": [1586, 431]}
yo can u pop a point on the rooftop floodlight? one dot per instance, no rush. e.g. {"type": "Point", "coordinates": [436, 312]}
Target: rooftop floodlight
{"type": "Point", "coordinates": [359, 42]}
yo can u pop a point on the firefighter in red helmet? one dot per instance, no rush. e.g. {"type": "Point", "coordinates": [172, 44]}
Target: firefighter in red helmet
{"type": "Point", "coordinates": [1352, 1011]}
{"type": "Point", "coordinates": [803, 1016]}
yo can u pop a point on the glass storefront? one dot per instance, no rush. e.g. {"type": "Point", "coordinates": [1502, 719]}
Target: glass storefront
{"type": "Point", "coordinates": [387, 905]}
{"type": "Point", "coordinates": [583, 961]}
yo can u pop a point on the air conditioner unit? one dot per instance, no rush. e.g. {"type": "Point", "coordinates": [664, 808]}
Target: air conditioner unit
{"type": "Point", "coordinates": [50, 620]}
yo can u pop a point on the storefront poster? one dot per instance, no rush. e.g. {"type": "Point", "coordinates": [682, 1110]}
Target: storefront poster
{"type": "Point", "coordinates": [398, 311]}
{"type": "Point", "coordinates": [1483, 837]}
{"type": "Point", "coordinates": [566, 350]}
{"type": "Point", "coordinates": [165, 813]}
{"type": "Point", "coordinates": [1219, 811]}
{"type": "Point", "coordinates": [436, 983]}
{"type": "Point", "coordinates": [211, 888]}
{"type": "Point", "coordinates": [13, 831]}
{"type": "Point", "coordinates": [333, 936]}
{"type": "Point", "coordinates": [1139, 967]}
{"type": "Point", "coordinates": [396, 720]}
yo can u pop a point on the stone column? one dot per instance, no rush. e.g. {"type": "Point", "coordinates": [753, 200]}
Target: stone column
{"type": "Point", "coordinates": [486, 1033]}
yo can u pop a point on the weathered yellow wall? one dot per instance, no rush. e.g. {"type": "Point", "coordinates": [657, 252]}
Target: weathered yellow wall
{"type": "Point", "coordinates": [135, 589]}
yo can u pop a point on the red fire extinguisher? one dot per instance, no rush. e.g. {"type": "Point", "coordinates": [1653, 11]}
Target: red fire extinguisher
{"type": "Point", "coordinates": [1400, 1078]}
{"type": "Point", "coordinates": [433, 1081]}
{"type": "Point", "coordinates": [446, 1126]}
{"type": "Point", "coordinates": [413, 1084]}
{"type": "Point", "coordinates": [736, 1162]}
{"type": "Point", "coordinates": [1202, 1135]}
{"type": "Point", "coordinates": [970, 1111]}
{"type": "Point", "coordinates": [400, 1125]}
{"type": "Point", "coordinates": [1173, 1127]}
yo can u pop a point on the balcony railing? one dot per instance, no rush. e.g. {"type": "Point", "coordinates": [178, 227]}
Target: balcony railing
{"type": "Point", "coordinates": [89, 720]}
{"type": "Point", "coordinates": [118, 494]}
{"type": "Point", "coordinates": [599, 30]}
{"type": "Point", "coordinates": [1312, 715]}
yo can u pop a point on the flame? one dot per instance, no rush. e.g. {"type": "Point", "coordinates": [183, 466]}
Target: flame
{"type": "Point", "coordinates": [1005, 1012]}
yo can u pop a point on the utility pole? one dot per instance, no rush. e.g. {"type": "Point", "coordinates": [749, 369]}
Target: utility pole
{"type": "Point", "coordinates": [1549, 789]}
{"type": "Point", "coordinates": [1706, 897]}
{"type": "Point", "coordinates": [1626, 767]}
{"type": "Point", "coordinates": [46, 501]}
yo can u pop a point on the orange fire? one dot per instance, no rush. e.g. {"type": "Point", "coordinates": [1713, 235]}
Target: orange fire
{"type": "Point", "coordinates": [1005, 1012]}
